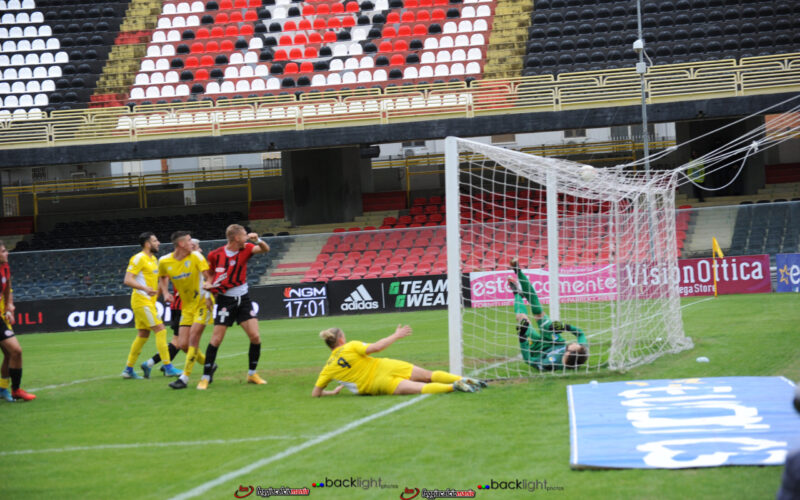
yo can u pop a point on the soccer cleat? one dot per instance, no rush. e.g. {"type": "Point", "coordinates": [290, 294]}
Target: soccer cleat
{"type": "Point", "coordinates": [6, 394]}
{"type": "Point", "coordinates": [21, 394]}
{"type": "Point", "coordinates": [255, 379]}
{"type": "Point", "coordinates": [211, 375]}
{"type": "Point", "coordinates": [146, 370]}
{"type": "Point", "coordinates": [476, 383]}
{"type": "Point", "coordinates": [514, 264]}
{"type": "Point", "coordinates": [163, 370]}
{"type": "Point", "coordinates": [514, 286]}
{"type": "Point", "coordinates": [463, 386]}
{"type": "Point", "coordinates": [203, 384]}
{"type": "Point", "coordinates": [178, 384]}
{"type": "Point", "coordinates": [130, 374]}
{"type": "Point", "coordinates": [174, 372]}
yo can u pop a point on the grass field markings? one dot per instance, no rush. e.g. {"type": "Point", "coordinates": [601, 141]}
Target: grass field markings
{"type": "Point", "coordinates": [684, 306]}
{"type": "Point", "coordinates": [125, 446]}
{"type": "Point", "coordinates": [573, 425]}
{"type": "Point", "coordinates": [199, 490]}
{"type": "Point", "coordinates": [65, 384]}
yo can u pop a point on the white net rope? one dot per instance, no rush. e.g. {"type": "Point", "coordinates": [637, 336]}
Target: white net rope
{"type": "Point", "coordinates": [616, 251]}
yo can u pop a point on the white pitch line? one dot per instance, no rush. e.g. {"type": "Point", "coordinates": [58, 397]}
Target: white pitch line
{"type": "Point", "coordinates": [80, 381]}
{"type": "Point", "coordinates": [125, 446]}
{"type": "Point", "coordinates": [574, 424]}
{"type": "Point", "coordinates": [199, 490]}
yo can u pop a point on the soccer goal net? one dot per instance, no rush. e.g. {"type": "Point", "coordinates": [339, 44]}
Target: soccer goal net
{"type": "Point", "coordinates": [597, 245]}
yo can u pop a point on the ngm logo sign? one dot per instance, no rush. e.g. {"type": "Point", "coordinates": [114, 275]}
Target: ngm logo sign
{"type": "Point", "coordinates": [305, 292]}
{"type": "Point", "coordinates": [787, 267]}
{"type": "Point", "coordinates": [305, 301]}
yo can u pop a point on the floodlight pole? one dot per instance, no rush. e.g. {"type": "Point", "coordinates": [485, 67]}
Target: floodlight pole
{"type": "Point", "coordinates": [641, 68]}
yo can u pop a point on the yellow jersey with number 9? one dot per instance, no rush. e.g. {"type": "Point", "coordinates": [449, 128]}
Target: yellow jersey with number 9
{"type": "Point", "coordinates": [351, 365]}
{"type": "Point", "coordinates": [145, 270]}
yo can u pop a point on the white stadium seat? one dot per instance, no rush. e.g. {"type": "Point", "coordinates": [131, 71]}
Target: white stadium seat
{"type": "Point", "coordinates": [410, 73]}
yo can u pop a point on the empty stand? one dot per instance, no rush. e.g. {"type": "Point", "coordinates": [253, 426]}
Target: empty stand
{"type": "Point", "coordinates": [580, 36]}
{"type": "Point", "coordinates": [52, 53]}
{"type": "Point", "coordinates": [100, 271]}
{"type": "Point", "coordinates": [87, 234]}
{"type": "Point", "coordinates": [230, 50]}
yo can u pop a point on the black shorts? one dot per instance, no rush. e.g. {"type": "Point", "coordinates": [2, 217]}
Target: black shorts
{"type": "Point", "coordinates": [230, 309]}
{"type": "Point", "coordinates": [175, 321]}
{"type": "Point", "coordinates": [6, 332]}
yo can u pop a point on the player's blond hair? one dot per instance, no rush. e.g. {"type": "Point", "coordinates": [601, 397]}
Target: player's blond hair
{"type": "Point", "coordinates": [330, 336]}
{"type": "Point", "coordinates": [233, 230]}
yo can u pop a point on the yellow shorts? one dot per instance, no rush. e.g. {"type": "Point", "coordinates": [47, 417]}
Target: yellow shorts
{"type": "Point", "coordinates": [388, 375]}
{"type": "Point", "coordinates": [146, 317]}
{"type": "Point", "coordinates": [196, 313]}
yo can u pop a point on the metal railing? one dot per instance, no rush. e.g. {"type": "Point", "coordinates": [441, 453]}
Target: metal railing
{"type": "Point", "coordinates": [587, 89]}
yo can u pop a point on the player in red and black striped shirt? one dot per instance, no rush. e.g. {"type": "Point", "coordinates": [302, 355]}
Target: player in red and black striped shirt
{"type": "Point", "coordinates": [229, 267]}
{"type": "Point", "coordinates": [11, 370]}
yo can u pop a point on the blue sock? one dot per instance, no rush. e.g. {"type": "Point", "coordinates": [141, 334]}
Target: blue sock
{"type": "Point", "coordinates": [129, 369]}
{"type": "Point", "coordinates": [168, 366]}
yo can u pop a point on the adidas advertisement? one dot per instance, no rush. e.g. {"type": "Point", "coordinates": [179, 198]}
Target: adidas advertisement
{"type": "Point", "coordinates": [359, 296]}
{"type": "Point", "coordinates": [360, 300]}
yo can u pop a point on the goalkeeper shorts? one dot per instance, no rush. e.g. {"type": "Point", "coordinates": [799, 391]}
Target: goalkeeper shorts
{"type": "Point", "coordinates": [388, 375]}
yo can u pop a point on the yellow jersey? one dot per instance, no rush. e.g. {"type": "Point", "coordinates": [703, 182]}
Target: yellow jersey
{"type": "Point", "coordinates": [351, 366]}
{"type": "Point", "coordinates": [145, 270]}
{"type": "Point", "coordinates": [186, 275]}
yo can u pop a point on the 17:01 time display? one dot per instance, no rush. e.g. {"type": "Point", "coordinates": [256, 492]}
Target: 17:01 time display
{"type": "Point", "coordinates": [305, 308]}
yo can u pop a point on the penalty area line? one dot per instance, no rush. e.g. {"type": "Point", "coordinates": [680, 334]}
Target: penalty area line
{"type": "Point", "coordinates": [79, 381]}
{"type": "Point", "coordinates": [199, 490]}
{"type": "Point", "coordinates": [125, 446]}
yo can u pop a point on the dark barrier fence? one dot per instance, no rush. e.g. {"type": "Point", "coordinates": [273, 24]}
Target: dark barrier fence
{"type": "Point", "coordinates": [302, 300]}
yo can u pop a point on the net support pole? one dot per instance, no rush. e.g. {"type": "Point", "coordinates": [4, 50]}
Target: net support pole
{"type": "Point", "coordinates": [453, 219]}
{"type": "Point", "coordinates": [552, 242]}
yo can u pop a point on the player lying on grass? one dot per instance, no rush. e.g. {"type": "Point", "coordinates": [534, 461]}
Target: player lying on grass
{"type": "Point", "coordinates": [545, 349]}
{"type": "Point", "coordinates": [351, 365]}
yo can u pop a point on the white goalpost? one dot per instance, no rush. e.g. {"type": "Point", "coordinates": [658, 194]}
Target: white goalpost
{"type": "Point", "coordinates": [597, 245]}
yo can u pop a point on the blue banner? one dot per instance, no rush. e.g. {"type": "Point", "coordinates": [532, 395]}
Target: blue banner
{"type": "Point", "coordinates": [787, 272]}
{"type": "Point", "coordinates": [682, 423]}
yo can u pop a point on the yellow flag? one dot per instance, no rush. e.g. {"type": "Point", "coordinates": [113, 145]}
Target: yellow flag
{"type": "Point", "coordinates": [716, 249]}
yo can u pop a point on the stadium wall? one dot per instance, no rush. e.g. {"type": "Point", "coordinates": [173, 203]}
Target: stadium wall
{"type": "Point", "coordinates": [430, 129]}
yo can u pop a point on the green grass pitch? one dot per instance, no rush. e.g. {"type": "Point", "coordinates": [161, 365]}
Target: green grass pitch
{"type": "Point", "coordinates": [91, 434]}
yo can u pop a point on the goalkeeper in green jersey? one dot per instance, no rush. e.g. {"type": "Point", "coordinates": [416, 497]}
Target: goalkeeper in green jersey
{"type": "Point", "coordinates": [545, 349]}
